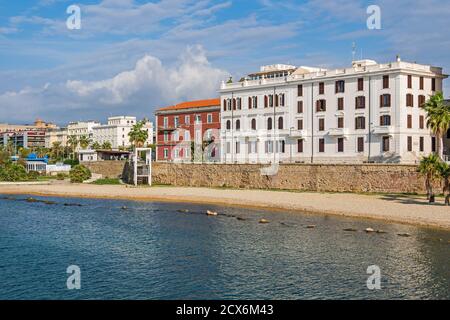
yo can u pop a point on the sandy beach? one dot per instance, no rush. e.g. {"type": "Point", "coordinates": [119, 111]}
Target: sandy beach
{"type": "Point", "coordinates": [390, 208]}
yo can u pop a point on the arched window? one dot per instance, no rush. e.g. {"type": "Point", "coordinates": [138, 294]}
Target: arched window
{"type": "Point", "coordinates": [238, 125]}
{"type": "Point", "coordinates": [228, 124]}
{"type": "Point", "coordinates": [253, 124]}
{"type": "Point", "coordinates": [280, 123]}
{"type": "Point", "coordinates": [269, 124]}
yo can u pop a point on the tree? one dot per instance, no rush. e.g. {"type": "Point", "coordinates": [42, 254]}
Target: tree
{"type": "Point", "coordinates": [57, 149]}
{"type": "Point", "coordinates": [96, 146]}
{"type": "Point", "coordinates": [138, 134]}
{"type": "Point", "coordinates": [72, 141]}
{"type": "Point", "coordinates": [24, 152]}
{"type": "Point", "coordinates": [106, 145]}
{"type": "Point", "coordinates": [438, 119]}
{"type": "Point", "coordinates": [84, 142]}
{"type": "Point", "coordinates": [429, 167]}
{"type": "Point", "coordinates": [79, 174]}
{"type": "Point", "coordinates": [444, 174]}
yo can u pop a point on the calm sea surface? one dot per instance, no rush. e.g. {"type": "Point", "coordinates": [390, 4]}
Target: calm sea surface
{"type": "Point", "coordinates": [150, 250]}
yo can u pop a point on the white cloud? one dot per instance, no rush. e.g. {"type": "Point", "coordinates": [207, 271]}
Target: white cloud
{"type": "Point", "coordinates": [149, 84]}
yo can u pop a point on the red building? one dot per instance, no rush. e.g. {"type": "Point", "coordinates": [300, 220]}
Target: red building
{"type": "Point", "coordinates": [179, 125]}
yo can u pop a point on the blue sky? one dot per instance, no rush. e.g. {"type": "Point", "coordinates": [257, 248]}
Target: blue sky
{"type": "Point", "coordinates": [133, 56]}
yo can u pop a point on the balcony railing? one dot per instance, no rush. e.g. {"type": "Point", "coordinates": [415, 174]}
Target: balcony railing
{"type": "Point", "coordinates": [383, 130]}
{"type": "Point", "coordinates": [336, 132]}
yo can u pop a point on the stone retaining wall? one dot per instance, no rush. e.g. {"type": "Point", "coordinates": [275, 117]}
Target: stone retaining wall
{"type": "Point", "coordinates": [306, 177]}
{"type": "Point", "coordinates": [320, 177]}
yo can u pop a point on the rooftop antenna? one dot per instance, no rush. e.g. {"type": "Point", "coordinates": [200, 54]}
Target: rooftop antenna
{"type": "Point", "coordinates": [353, 51]}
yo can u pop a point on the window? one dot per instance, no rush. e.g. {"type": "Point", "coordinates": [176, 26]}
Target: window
{"type": "Point", "coordinates": [360, 84]}
{"type": "Point", "coordinates": [187, 136]}
{"type": "Point", "coordinates": [281, 97]}
{"type": "Point", "coordinates": [249, 102]}
{"type": "Point", "coordinates": [409, 121]}
{"type": "Point", "coordinates": [253, 124]}
{"type": "Point", "coordinates": [360, 102]}
{"type": "Point", "coordinates": [209, 118]}
{"type": "Point", "coordinates": [277, 100]}
{"type": "Point", "coordinates": [385, 100]}
{"type": "Point", "coordinates": [385, 120]}
{"type": "Point", "coordinates": [421, 83]}
{"type": "Point", "coordinates": [165, 122]}
{"type": "Point", "coordinates": [409, 140]}
{"type": "Point", "coordinates": [176, 122]}
{"type": "Point", "coordinates": [280, 123]}
{"type": "Point", "coordinates": [321, 88]}
{"type": "Point", "coordinates": [300, 145]}
{"type": "Point", "coordinates": [238, 125]}
{"type": "Point", "coordinates": [224, 105]}
{"type": "Point", "coordinates": [340, 122]}
{"type": "Point", "coordinates": [300, 124]}
{"type": "Point", "coordinates": [255, 102]}
{"type": "Point", "coordinates": [339, 86]}
{"type": "Point", "coordinates": [421, 122]}
{"type": "Point", "coordinates": [421, 100]}
{"type": "Point", "coordinates": [409, 81]}
{"type": "Point", "coordinates": [340, 144]}
{"type": "Point", "coordinates": [321, 124]}
{"type": "Point", "coordinates": [421, 144]}
{"type": "Point", "coordinates": [166, 153]}
{"type": "Point", "coordinates": [340, 103]}
{"type": "Point", "coordinates": [321, 105]}
{"type": "Point", "coordinates": [228, 147]}
{"type": "Point", "coordinates": [360, 146]}
{"type": "Point", "coordinates": [271, 100]}
{"type": "Point", "coordinates": [360, 123]}
{"type": "Point", "coordinates": [300, 90]}
{"type": "Point", "coordinates": [321, 145]}
{"type": "Point", "coordinates": [198, 118]}
{"type": "Point", "coordinates": [433, 144]}
{"type": "Point", "coordinates": [409, 100]}
{"type": "Point", "coordinates": [228, 125]}
{"type": "Point", "coordinates": [269, 124]}
{"type": "Point", "coordinates": [266, 103]}
{"type": "Point", "coordinates": [299, 106]}
{"type": "Point", "coordinates": [385, 144]}
{"type": "Point", "coordinates": [269, 147]}
{"type": "Point", "coordinates": [187, 119]}
{"type": "Point", "coordinates": [238, 147]}
{"type": "Point", "coordinates": [239, 103]}
{"type": "Point", "coordinates": [166, 136]}
{"type": "Point", "coordinates": [385, 82]}
{"type": "Point", "coordinates": [283, 146]}
{"type": "Point", "coordinates": [433, 84]}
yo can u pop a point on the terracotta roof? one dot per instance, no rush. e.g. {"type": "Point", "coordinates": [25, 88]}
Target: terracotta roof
{"type": "Point", "coordinates": [193, 104]}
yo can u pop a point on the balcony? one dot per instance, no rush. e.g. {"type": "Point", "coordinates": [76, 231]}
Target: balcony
{"type": "Point", "coordinates": [337, 132]}
{"type": "Point", "coordinates": [382, 130]}
{"type": "Point", "coordinates": [298, 133]}
{"type": "Point", "coordinates": [167, 128]}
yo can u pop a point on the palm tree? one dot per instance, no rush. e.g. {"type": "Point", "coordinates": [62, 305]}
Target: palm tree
{"type": "Point", "coordinates": [72, 141]}
{"type": "Point", "coordinates": [429, 167]}
{"type": "Point", "coordinates": [57, 149]}
{"type": "Point", "coordinates": [138, 135]}
{"type": "Point", "coordinates": [106, 145]}
{"type": "Point", "coordinates": [84, 142]}
{"type": "Point", "coordinates": [444, 174]}
{"type": "Point", "coordinates": [438, 119]}
{"type": "Point", "coordinates": [96, 146]}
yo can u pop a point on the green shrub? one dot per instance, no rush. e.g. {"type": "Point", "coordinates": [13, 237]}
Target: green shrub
{"type": "Point", "coordinates": [106, 181]}
{"type": "Point", "coordinates": [72, 162]}
{"type": "Point", "coordinates": [79, 173]}
{"type": "Point", "coordinates": [60, 176]}
{"type": "Point", "coordinates": [33, 175]}
{"type": "Point", "coordinates": [13, 172]}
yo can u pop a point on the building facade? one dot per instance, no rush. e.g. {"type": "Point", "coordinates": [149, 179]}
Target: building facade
{"type": "Point", "coordinates": [368, 112]}
{"type": "Point", "coordinates": [38, 125]}
{"type": "Point", "coordinates": [117, 130]}
{"type": "Point", "coordinates": [181, 126]}
{"type": "Point", "coordinates": [56, 135]}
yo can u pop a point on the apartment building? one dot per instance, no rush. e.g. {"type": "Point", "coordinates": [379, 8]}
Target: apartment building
{"type": "Point", "coordinates": [181, 124]}
{"type": "Point", "coordinates": [117, 130]}
{"type": "Point", "coordinates": [368, 112]}
{"type": "Point", "coordinates": [39, 124]}
{"type": "Point", "coordinates": [56, 135]}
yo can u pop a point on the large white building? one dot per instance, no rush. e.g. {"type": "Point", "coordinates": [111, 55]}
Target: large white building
{"type": "Point", "coordinates": [116, 131]}
{"type": "Point", "coordinates": [367, 112]}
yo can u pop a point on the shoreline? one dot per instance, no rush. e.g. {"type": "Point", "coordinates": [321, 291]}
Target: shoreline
{"type": "Point", "coordinates": [402, 209]}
